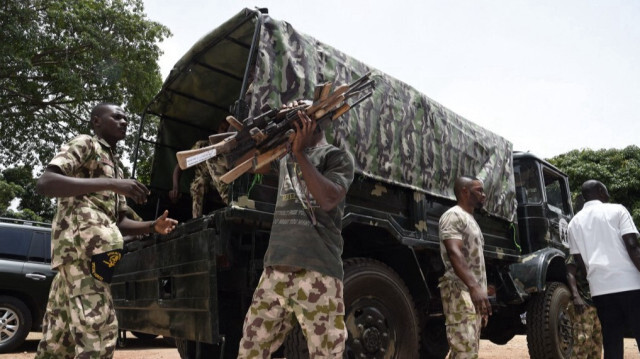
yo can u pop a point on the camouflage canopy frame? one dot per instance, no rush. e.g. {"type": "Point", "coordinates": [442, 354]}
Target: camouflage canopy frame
{"type": "Point", "coordinates": [397, 136]}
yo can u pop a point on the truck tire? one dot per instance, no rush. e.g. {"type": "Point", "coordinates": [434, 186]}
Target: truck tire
{"type": "Point", "coordinates": [434, 339]}
{"type": "Point", "coordinates": [15, 323]}
{"type": "Point", "coordinates": [549, 328]}
{"type": "Point", "coordinates": [295, 344]}
{"type": "Point", "coordinates": [187, 350]}
{"type": "Point", "coordinates": [380, 313]}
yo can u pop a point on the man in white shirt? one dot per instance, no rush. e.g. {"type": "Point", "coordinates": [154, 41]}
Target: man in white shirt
{"type": "Point", "coordinates": [604, 241]}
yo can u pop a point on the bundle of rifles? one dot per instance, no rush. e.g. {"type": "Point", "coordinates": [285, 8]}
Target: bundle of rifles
{"type": "Point", "coordinates": [259, 140]}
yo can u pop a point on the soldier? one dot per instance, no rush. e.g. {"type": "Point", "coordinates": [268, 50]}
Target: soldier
{"type": "Point", "coordinates": [302, 278]}
{"type": "Point", "coordinates": [206, 176]}
{"type": "Point", "coordinates": [463, 286]}
{"type": "Point", "coordinates": [87, 241]}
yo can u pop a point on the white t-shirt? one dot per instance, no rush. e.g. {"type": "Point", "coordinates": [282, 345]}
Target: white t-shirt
{"type": "Point", "coordinates": [596, 234]}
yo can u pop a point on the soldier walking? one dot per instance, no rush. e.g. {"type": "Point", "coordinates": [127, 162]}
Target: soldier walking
{"type": "Point", "coordinates": [302, 278]}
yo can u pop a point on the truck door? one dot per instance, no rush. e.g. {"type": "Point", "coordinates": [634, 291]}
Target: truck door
{"type": "Point", "coordinates": [558, 206]}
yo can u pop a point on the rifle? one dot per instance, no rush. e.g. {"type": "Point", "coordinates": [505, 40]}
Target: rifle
{"type": "Point", "coordinates": [264, 138]}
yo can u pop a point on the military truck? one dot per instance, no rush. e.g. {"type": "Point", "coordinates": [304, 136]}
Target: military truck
{"type": "Point", "coordinates": [196, 283]}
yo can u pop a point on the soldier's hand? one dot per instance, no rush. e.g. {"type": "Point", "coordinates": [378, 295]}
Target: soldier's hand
{"type": "Point", "coordinates": [304, 137]}
{"type": "Point", "coordinates": [174, 195]}
{"type": "Point", "coordinates": [485, 320]}
{"type": "Point", "coordinates": [163, 224]}
{"type": "Point", "coordinates": [132, 189]}
{"type": "Point", "coordinates": [480, 300]}
{"type": "Point", "coordinates": [579, 304]}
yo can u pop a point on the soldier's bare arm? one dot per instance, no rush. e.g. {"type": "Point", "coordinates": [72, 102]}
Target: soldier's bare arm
{"type": "Point", "coordinates": [326, 193]}
{"type": "Point", "coordinates": [461, 268]}
{"type": "Point", "coordinates": [578, 303]}
{"type": "Point", "coordinates": [633, 248]}
{"type": "Point", "coordinates": [53, 183]}
{"type": "Point", "coordinates": [174, 193]}
{"type": "Point", "coordinates": [162, 225]}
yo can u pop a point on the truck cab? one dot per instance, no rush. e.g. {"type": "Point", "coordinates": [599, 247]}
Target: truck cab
{"type": "Point", "coordinates": [544, 203]}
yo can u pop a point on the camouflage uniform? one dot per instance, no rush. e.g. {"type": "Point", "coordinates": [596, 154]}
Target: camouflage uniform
{"type": "Point", "coordinates": [281, 298]}
{"type": "Point", "coordinates": [302, 279]}
{"type": "Point", "coordinates": [80, 320]}
{"type": "Point", "coordinates": [462, 321]}
{"type": "Point", "coordinates": [587, 331]}
{"type": "Point", "coordinates": [207, 175]}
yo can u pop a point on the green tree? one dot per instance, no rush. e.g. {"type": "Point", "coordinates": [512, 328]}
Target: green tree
{"type": "Point", "coordinates": [618, 169]}
{"type": "Point", "coordinates": [30, 200]}
{"type": "Point", "coordinates": [61, 57]}
{"type": "Point", "coordinates": [8, 191]}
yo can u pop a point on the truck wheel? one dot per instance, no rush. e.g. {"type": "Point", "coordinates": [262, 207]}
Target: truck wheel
{"type": "Point", "coordinates": [15, 323]}
{"type": "Point", "coordinates": [548, 323]}
{"type": "Point", "coordinates": [434, 339]}
{"type": "Point", "coordinates": [295, 344]}
{"type": "Point", "coordinates": [187, 350]}
{"type": "Point", "coordinates": [380, 313]}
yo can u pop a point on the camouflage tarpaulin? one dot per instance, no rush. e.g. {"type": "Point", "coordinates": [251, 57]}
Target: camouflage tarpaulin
{"type": "Point", "coordinates": [399, 135]}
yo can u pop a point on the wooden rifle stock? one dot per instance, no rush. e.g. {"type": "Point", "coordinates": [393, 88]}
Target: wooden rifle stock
{"type": "Point", "coordinates": [257, 161]}
{"type": "Point", "coordinates": [221, 143]}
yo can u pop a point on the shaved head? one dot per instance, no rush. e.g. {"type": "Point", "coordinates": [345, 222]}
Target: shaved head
{"type": "Point", "coordinates": [469, 193]}
{"type": "Point", "coordinates": [462, 182]}
{"type": "Point", "coordinates": [594, 190]}
{"type": "Point", "coordinates": [99, 110]}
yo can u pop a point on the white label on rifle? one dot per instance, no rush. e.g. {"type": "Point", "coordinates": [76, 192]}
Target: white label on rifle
{"type": "Point", "coordinates": [200, 157]}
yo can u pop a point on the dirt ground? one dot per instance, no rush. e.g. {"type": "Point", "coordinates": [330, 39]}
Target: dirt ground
{"type": "Point", "coordinates": [159, 349]}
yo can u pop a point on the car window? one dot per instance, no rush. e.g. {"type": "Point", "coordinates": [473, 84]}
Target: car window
{"type": "Point", "coordinates": [40, 250]}
{"type": "Point", "coordinates": [14, 243]}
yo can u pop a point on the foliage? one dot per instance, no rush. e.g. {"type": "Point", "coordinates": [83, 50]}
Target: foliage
{"type": "Point", "coordinates": [8, 191]}
{"type": "Point", "coordinates": [60, 58]}
{"type": "Point", "coordinates": [25, 214]}
{"type": "Point", "coordinates": [40, 205]}
{"type": "Point", "coordinates": [618, 169]}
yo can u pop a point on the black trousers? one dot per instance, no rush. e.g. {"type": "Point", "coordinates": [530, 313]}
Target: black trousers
{"type": "Point", "coordinates": [617, 312]}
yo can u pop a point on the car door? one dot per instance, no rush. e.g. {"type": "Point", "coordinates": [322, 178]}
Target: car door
{"type": "Point", "coordinates": [14, 245]}
{"type": "Point", "coordinates": [37, 272]}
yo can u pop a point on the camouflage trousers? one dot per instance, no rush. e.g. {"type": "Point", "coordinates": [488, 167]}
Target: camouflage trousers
{"type": "Point", "coordinates": [313, 299]}
{"type": "Point", "coordinates": [463, 324]}
{"type": "Point", "coordinates": [202, 184]}
{"type": "Point", "coordinates": [587, 333]}
{"type": "Point", "coordinates": [80, 321]}
{"type": "Point", "coordinates": [199, 187]}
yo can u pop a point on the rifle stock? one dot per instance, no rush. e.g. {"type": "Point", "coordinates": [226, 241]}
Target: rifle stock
{"type": "Point", "coordinates": [254, 163]}
{"type": "Point", "coordinates": [220, 143]}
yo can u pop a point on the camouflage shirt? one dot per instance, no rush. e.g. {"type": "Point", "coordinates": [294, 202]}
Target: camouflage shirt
{"type": "Point", "coordinates": [458, 225]}
{"type": "Point", "coordinates": [85, 225]}
{"type": "Point", "coordinates": [294, 240]}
